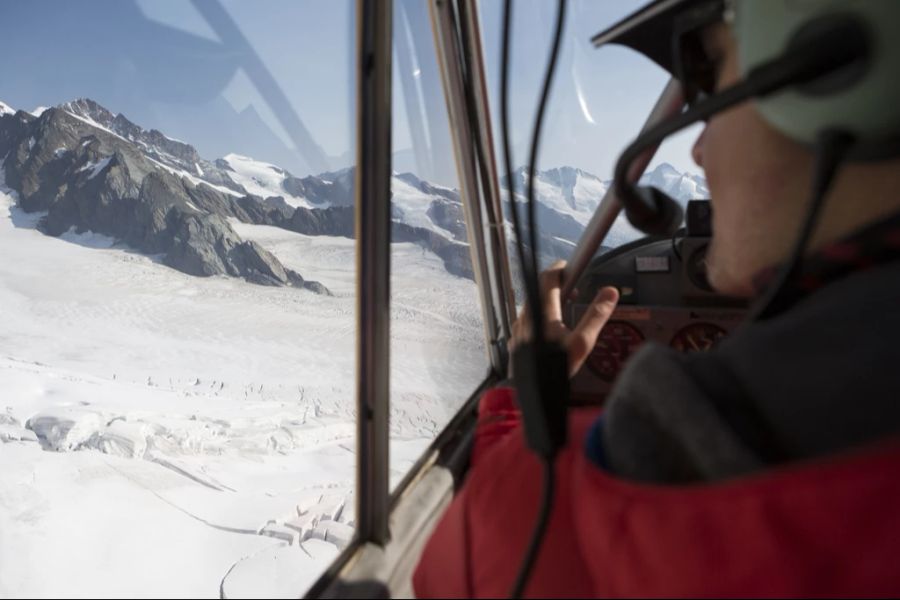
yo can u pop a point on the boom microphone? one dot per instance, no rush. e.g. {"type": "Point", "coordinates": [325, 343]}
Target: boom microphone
{"type": "Point", "coordinates": [650, 210]}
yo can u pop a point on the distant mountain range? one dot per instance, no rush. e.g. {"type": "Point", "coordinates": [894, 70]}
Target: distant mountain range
{"type": "Point", "coordinates": [568, 198]}
{"type": "Point", "coordinates": [91, 170]}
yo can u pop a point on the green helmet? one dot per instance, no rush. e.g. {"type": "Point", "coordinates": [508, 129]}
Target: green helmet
{"type": "Point", "coordinates": [863, 101]}
{"type": "Point", "coordinates": [866, 105]}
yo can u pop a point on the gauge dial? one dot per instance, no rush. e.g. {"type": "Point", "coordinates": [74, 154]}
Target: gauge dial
{"type": "Point", "coordinates": [697, 337]}
{"type": "Point", "coordinates": [617, 342]}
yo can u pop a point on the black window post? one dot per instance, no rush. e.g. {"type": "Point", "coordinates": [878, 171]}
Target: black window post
{"type": "Point", "coordinates": [373, 258]}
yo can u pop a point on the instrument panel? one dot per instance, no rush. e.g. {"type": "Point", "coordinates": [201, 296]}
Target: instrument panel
{"type": "Point", "coordinates": [685, 330]}
{"type": "Point", "coordinates": [664, 297]}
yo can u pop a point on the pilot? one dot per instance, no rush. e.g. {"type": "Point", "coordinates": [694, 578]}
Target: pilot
{"type": "Point", "coordinates": [768, 466]}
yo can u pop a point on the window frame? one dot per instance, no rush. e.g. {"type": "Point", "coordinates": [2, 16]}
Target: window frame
{"type": "Point", "coordinates": [457, 39]}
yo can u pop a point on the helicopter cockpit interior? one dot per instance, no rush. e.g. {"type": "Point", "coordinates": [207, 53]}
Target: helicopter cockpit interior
{"type": "Point", "coordinates": [265, 264]}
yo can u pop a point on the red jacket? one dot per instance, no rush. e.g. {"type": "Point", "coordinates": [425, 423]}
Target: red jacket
{"type": "Point", "coordinates": [825, 528]}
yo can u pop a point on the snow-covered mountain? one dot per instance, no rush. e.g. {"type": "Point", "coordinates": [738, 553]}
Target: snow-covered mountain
{"type": "Point", "coordinates": [261, 179]}
{"type": "Point", "coordinates": [80, 169]}
{"type": "Point", "coordinates": [179, 157]}
{"type": "Point", "coordinates": [566, 190]}
{"type": "Point", "coordinates": [567, 198]}
{"type": "Point", "coordinates": [681, 186]}
{"type": "Point", "coordinates": [577, 193]}
{"type": "Point", "coordinates": [90, 170]}
{"type": "Point", "coordinates": [66, 159]}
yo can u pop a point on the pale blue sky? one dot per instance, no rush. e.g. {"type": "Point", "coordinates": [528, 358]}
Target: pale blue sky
{"type": "Point", "coordinates": [601, 97]}
{"type": "Point", "coordinates": [161, 64]}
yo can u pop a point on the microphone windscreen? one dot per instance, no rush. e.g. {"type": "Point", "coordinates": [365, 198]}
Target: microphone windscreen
{"type": "Point", "coordinates": [665, 217]}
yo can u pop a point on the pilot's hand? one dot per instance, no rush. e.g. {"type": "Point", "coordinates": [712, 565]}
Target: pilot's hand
{"type": "Point", "coordinates": [578, 342]}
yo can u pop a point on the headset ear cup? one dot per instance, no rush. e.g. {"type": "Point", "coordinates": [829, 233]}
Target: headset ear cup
{"type": "Point", "coordinates": [864, 103]}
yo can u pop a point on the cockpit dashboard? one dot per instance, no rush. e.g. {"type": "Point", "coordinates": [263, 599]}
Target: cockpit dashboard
{"type": "Point", "coordinates": [664, 297]}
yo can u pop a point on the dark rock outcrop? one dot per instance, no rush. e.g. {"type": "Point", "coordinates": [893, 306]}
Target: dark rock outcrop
{"type": "Point", "coordinates": [456, 256]}
{"type": "Point", "coordinates": [450, 216]}
{"type": "Point", "coordinates": [553, 224]}
{"type": "Point", "coordinates": [327, 189]}
{"type": "Point", "coordinates": [429, 188]}
{"type": "Point", "coordinates": [88, 179]}
{"type": "Point", "coordinates": [337, 221]}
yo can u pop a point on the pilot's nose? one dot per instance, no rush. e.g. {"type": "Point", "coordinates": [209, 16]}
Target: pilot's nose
{"type": "Point", "coordinates": [697, 149]}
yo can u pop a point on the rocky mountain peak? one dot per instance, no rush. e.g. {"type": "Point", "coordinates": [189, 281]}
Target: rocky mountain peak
{"type": "Point", "coordinates": [88, 170]}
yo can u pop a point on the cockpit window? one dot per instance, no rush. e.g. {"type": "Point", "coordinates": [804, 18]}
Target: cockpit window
{"type": "Point", "coordinates": [177, 292]}
{"type": "Point", "coordinates": [599, 102]}
{"type": "Point", "coordinates": [438, 356]}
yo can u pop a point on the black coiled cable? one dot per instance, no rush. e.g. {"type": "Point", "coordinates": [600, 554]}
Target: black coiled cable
{"type": "Point", "coordinates": [530, 267]}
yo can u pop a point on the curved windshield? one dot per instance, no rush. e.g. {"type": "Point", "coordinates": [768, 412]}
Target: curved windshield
{"type": "Point", "coordinates": [438, 355]}
{"type": "Point", "coordinates": [598, 104]}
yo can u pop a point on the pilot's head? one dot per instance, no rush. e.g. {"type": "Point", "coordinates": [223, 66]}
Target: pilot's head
{"type": "Point", "coordinates": [759, 182]}
{"type": "Point", "coordinates": [758, 156]}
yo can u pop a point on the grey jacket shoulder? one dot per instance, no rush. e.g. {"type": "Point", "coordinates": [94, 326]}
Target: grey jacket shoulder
{"type": "Point", "coordinates": [661, 426]}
